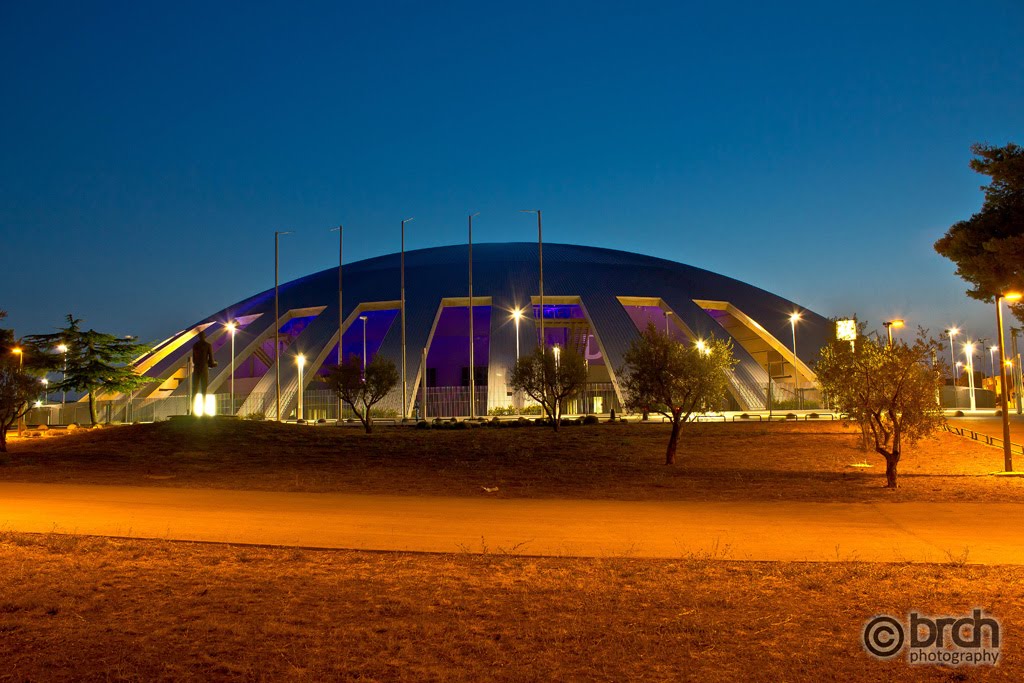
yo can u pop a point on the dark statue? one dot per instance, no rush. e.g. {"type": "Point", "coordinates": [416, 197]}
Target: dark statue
{"type": "Point", "coordinates": [202, 361]}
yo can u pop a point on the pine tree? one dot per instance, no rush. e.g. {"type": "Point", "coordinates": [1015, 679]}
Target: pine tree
{"type": "Point", "coordinates": [97, 362]}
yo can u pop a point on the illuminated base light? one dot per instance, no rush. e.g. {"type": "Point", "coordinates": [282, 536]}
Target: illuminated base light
{"type": "Point", "coordinates": [198, 405]}
{"type": "Point", "coordinates": [211, 405]}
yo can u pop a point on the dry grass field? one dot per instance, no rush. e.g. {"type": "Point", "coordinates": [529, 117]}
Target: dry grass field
{"type": "Point", "coordinates": [75, 608]}
{"type": "Point", "coordinates": [806, 461]}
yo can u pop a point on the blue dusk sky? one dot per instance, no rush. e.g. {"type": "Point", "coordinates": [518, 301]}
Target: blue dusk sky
{"type": "Point", "coordinates": [814, 149]}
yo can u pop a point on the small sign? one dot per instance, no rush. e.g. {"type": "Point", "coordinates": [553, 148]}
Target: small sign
{"type": "Point", "coordinates": [846, 330]}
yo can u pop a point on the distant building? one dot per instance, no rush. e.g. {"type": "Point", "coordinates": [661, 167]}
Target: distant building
{"type": "Point", "coordinates": [595, 301]}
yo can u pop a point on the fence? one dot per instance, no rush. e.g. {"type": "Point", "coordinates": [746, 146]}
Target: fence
{"type": "Point", "coordinates": [986, 439]}
{"type": "Point", "coordinates": [318, 404]}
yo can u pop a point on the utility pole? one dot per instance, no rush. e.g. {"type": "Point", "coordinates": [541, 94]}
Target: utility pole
{"type": "Point", "coordinates": [341, 309]}
{"type": "Point", "coordinates": [277, 324]}
{"type": "Point", "coordinates": [405, 386]}
{"type": "Point", "coordinates": [472, 366]}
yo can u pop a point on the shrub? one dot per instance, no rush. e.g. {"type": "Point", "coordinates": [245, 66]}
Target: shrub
{"type": "Point", "coordinates": [422, 424]}
{"type": "Point", "coordinates": [591, 420]}
{"type": "Point", "coordinates": [258, 416]}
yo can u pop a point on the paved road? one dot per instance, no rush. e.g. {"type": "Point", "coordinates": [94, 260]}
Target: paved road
{"type": "Point", "coordinates": [927, 532]}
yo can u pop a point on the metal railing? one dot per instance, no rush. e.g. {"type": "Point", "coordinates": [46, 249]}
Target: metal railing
{"type": "Point", "coordinates": [986, 439]}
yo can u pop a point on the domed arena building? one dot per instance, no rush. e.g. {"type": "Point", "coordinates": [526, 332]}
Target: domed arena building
{"type": "Point", "coordinates": [594, 301]}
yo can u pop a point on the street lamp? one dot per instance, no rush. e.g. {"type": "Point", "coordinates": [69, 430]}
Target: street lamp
{"type": "Point", "coordinates": [991, 359]}
{"type": "Point", "coordinates": [1004, 403]}
{"type": "Point", "coordinates": [341, 309]}
{"type": "Point", "coordinates": [517, 315]}
{"type": "Point", "coordinates": [232, 326]}
{"type": "Point", "coordinates": [793, 320]}
{"type": "Point", "coordinates": [472, 361]}
{"type": "Point", "coordinates": [21, 360]}
{"type": "Point", "coordinates": [702, 347]}
{"type": "Point", "coordinates": [540, 261]}
{"type": "Point", "coordinates": [300, 360]}
{"type": "Point", "coordinates": [277, 323]}
{"type": "Point", "coordinates": [405, 401]}
{"type": "Point", "coordinates": [667, 314]}
{"type": "Point", "coordinates": [969, 352]}
{"type": "Point", "coordinates": [63, 348]}
{"type": "Point", "coordinates": [46, 383]}
{"type": "Point", "coordinates": [363, 318]}
{"type": "Point", "coordinates": [952, 332]}
{"type": "Point", "coordinates": [1015, 364]}
{"type": "Point", "coordinates": [889, 324]}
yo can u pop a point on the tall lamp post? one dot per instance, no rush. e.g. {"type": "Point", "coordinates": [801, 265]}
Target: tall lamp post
{"type": "Point", "coordinates": [540, 261]}
{"type": "Point", "coordinates": [1007, 456]}
{"type": "Point", "coordinates": [1018, 379]}
{"type": "Point", "coordinates": [363, 318]}
{"type": "Point", "coordinates": [341, 309]}
{"type": "Point", "coordinates": [991, 359]}
{"type": "Point", "coordinates": [232, 326]}
{"type": "Point", "coordinates": [63, 348]}
{"type": "Point", "coordinates": [667, 314]}
{"type": "Point", "coordinates": [405, 388]}
{"type": "Point", "coordinates": [517, 315]}
{"type": "Point", "coordinates": [277, 322]}
{"type": "Point", "coordinates": [969, 352]}
{"type": "Point", "coordinates": [952, 332]}
{"type": "Point", "coordinates": [18, 351]}
{"type": "Point", "coordinates": [793, 320]}
{"type": "Point", "coordinates": [889, 324]}
{"type": "Point", "coordinates": [472, 366]}
{"type": "Point", "coordinates": [300, 360]}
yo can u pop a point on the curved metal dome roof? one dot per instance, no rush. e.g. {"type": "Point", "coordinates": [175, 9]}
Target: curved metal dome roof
{"type": "Point", "coordinates": [604, 283]}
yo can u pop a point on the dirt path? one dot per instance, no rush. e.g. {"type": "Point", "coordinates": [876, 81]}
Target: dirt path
{"type": "Point", "coordinates": [926, 532]}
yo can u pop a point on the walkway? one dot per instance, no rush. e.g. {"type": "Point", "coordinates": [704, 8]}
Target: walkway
{"type": "Point", "coordinates": [931, 532]}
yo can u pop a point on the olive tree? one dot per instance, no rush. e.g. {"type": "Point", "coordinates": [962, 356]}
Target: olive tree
{"type": "Point", "coordinates": [890, 390]}
{"type": "Point", "coordinates": [675, 379]}
{"type": "Point", "coordinates": [19, 385]}
{"type": "Point", "coordinates": [550, 377]}
{"type": "Point", "coordinates": [361, 391]}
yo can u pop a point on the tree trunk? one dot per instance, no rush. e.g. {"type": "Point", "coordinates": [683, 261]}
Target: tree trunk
{"type": "Point", "coordinates": [3, 438]}
{"type": "Point", "coordinates": [673, 441]}
{"type": "Point", "coordinates": [92, 407]}
{"type": "Point", "coordinates": [892, 459]}
{"type": "Point", "coordinates": [890, 472]}
{"type": "Point", "coordinates": [366, 419]}
{"type": "Point", "coordinates": [553, 413]}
